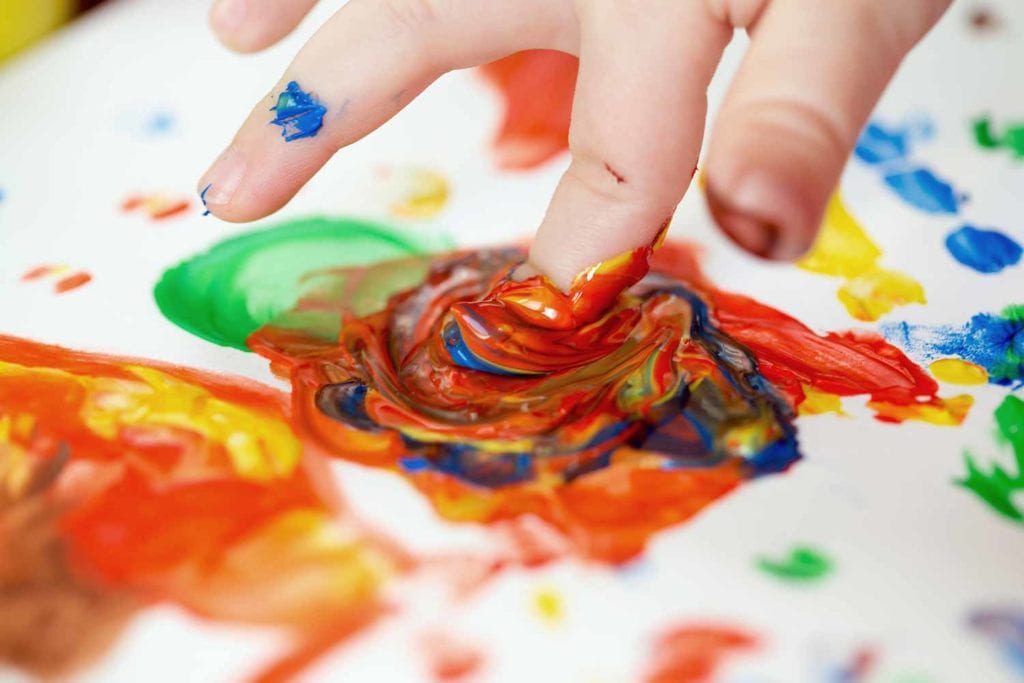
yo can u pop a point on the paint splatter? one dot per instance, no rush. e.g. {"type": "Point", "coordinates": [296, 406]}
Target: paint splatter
{"type": "Point", "coordinates": [451, 659]}
{"type": "Point", "coordinates": [537, 87]}
{"type": "Point", "coordinates": [889, 150]}
{"type": "Point", "coordinates": [159, 123]}
{"type": "Point", "coordinates": [993, 342]}
{"type": "Point", "coordinates": [802, 564]}
{"type": "Point", "coordinates": [856, 668]}
{"type": "Point", "coordinates": [983, 20]}
{"type": "Point", "coordinates": [986, 251]}
{"type": "Point", "coordinates": [548, 605]}
{"type": "Point", "coordinates": [1002, 489]}
{"type": "Point", "coordinates": [157, 205]}
{"type": "Point", "coordinates": [694, 653]}
{"type": "Point", "coordinates": [1011, 139]}
{"type": "Point", "coordinates": [957, 371]}
{"type": "Point", "coordinates": [1005, 628]}
{"type": "Point", "coordinates": [240, 284]}
{"type": "Point", "coordinates": [843, 249]}
{"type": "Point", "coordinates": [64, 279]}
{"type": "Point", "coordinates": [416, 193]}
{"type": "Point", "coordinates": [298, 113]}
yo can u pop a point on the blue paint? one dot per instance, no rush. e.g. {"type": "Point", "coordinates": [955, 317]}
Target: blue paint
{"type": "Point", "coordinates": [1005, 629]}
{"type": "Point", "coordinates": [922, 189]}
{"type": "Point", "coordinates": [995, 342]}
{"type": "Point", "coordinates": [160, 123]}
{"type": "Point", "coordinates": [202, 198]}
{"type": "Point", "coordinates": [462, 356]}
{"type": "Point", "coordinates": [299, 114]}
{"type": "Point", "coordinates": [878, 144]}
{"type": "Point", "coordinates": [986, 251]}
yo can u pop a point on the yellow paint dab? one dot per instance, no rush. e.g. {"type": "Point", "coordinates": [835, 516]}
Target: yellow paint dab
{"type": "Point", "coordinates": [946, 412]}
{"type": "Point", "coordinates": [957, 371]}
{"type": "Point", "coordinates": [419, 193]}
{"type": "Point", "coordinates": [548, 605]}
{"type": "Point", "coordinates": [819, 402]}
{"type": "Point", "coordinates": [875, 292]}
{"type": "Point", "coordinates": [844, 249]}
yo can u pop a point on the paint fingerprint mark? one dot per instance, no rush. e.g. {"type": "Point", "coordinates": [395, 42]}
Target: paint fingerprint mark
{"type": "Point", "coordinates": [537, 88]}
{"type": "Point", "coordinates": [1011, 139]}
{"type": "Point", "coordinates": [993, 342]}
{"type": "Point", "coordinates": [843, 249]}
{"type": "Point", "coordinates": [802, 564]}
{"type": "Point", "coordinates": [202, 198]}
{"type": "Point", "coordinates": [240, 284]}
{"type": "Point", "coordinates": [298, 113]}
{"type": "Point", "coordinates": [889, 150]}
{"type": "Point", "coordinates": [66, 281]}
{"type": "Point", "coordinates": [156, 205]}
{"type": "Point", "coordinates": [694, 653]}
{"type": "Point", "coordinates": [1004, 626]}
{"type": "Point", "coordinates": [986, 251]}
{"type": "Point", "coordinates": [1001, 488]}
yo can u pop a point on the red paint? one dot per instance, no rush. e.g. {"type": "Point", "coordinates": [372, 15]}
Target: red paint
{"type": "Point", "coordinates": [73, 281]}
{"type": "Point", "coordinates": [38, 272]}
{"type": "Point", "coordinates": [64, 284]}
{"type": "Point", "coordinates": [694, 653]}
{"type": "Point", "coordinates": [451, 659]}
{"type": "Point", "coordinates": [537, 87]}
{"type": "Point", "coordinates": [156, 205]}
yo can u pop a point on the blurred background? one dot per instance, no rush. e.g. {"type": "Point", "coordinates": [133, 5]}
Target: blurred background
{"type": "Point", "coordinates": [23, 22]}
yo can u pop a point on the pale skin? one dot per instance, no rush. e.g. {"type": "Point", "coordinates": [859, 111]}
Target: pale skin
{"type": "Point", "coordinates": [812, 75]}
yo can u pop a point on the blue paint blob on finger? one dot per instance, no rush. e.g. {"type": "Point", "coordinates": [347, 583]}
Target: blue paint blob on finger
{"type": "Point", "coordinates": [202, 198]}
{"type": "Point", "coordinates": [922, 189]}
{"type": "Point", "coordinates": [298, 112]}
{"type": "Point", "coordinates": [986, 251]}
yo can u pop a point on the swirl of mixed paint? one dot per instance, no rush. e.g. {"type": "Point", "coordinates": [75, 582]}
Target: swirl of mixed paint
{"type": "Point", "coordinates": [497, 381]}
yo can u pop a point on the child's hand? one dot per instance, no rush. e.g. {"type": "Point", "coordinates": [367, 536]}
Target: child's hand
{"type": "Point", "coordinates": [812, 75]}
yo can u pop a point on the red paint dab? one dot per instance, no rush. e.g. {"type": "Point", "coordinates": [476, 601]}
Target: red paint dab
{"type": "Point", "coordinates": [156, 205]}
{"type": "Point", "coordinates": [693, 653]}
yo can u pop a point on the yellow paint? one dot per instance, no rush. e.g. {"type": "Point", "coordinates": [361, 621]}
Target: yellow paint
{"type": "Point", "coordinates": [547, 603]}
{"type": "Point", "coordinates": [875, 292]}
{"type": "Point", "coordinates": [957, 371]}
{"type": "Point", "coordinates": [419, 193]}
{"type": "Point", "coordinates": [819, 402]}
{"type": "Point", "coordinates": [259, 446]}
{"type": "Point", "coordinates": [949, 412]}
{"type": "Point", "coordinates": [22, 22]}
{"type": "Point", "coordinates": [844, 249]}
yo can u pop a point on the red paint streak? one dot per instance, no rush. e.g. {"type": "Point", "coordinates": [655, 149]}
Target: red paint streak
{"type": "Point", "coordinates": [537, 87]}
{"type": "Point", "coordinates": [693, 653]}
{"type": "Point", "coordinates": [73, 281]}
{"type": "Point", "coordinates": [451, 659]}
{"type": "Point", "coordinates": [157, 206]}
{"type": "Point", "coordinates": [38, 272]}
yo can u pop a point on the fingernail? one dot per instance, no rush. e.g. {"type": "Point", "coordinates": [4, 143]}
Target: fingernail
{"type": "Point", "coordinates": [222, 180]}
{"type": "Point", "coordinates": [744, 219]}
{"type": "Point", "coordinates": [229, 15]}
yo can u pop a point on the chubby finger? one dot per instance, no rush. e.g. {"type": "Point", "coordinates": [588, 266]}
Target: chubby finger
{"type": "Point", "coordinates": [810, 79]}
{"type": "Point", "coordinates": [366, 63]}
{"type": "Point", "coordinates": [637, 124]}
{"type": "Point", "coordinates": [252, 25]}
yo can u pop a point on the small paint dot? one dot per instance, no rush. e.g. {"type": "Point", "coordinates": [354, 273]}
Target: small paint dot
{"type": "Point", "coordinates": [548, 605]}
{"type": "Point", "coordinates": [958, 371]}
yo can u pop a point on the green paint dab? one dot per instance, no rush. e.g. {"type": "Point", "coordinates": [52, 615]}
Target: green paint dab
{"type": "Point", "coordinates": [228, 292]}
{"type": "Point", "coordinates": [803, 564]}
{"type": "Point", "coordinates": [1012, 137]}
{"type": "Point", "coordinates": [998, 487]}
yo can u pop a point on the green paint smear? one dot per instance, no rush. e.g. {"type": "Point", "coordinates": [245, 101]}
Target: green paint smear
{"type": "Point", "coordinates": [245, 282]}
{"type": "Point", "coordinates": [1012, 137]}
{"type": "Point", "coordinates": [995, 485]}
{"type": "Point", "coordinates": [803, 564]}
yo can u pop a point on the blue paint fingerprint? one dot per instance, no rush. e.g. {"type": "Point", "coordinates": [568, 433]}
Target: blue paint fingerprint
{"type": "Point", "coordinates": [986, 251]}
{"type": "Point", "coordinates": [299, 114]}
{"type": "Point", "coordinates": [878, 144]}
{"type": "Point", "coordinates": [995, 342]}
{"type": "Point", "coordinates": [202, 198]}
{"type": "Point", "coordinates": [920, 188]}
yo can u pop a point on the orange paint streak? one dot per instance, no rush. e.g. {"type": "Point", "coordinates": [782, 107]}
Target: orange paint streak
{"type": "Point", "coordinates": [693, 654]}
{"type": "Point", "coordinates": [72, 282]}
{"type": "Point", "coordinates": [537, 87]}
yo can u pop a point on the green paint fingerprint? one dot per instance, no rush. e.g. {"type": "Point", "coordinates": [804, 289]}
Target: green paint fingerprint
{"type": "Point", "coordinates": [1001, 489]}
{"type": "Point", "coordinates": [803, 564]}
{"type": "Point", "coordinates": [1012, 137]}
{"type": "Point", "coordinates": [228, 292]}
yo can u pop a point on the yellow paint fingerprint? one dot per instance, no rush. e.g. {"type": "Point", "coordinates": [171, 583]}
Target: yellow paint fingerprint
{"type": "Point", "coordinates": [547, 603]}
{"type": "Point", "coordinates": [957, 371]}
{"type": "Point", "coordinates": [877, 291]}
{"type": "Point", "coordinates": [819, 402]}
{"type": "Point", "coordinates": [844, 249]}
{"type": "Point", "coordinates": [948, 412]}
{"type": "Point", "coordinates": [419, 193]}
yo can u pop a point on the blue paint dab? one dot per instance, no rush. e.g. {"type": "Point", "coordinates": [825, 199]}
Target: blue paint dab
{"type": "Point", "coordinates": [920, 188]}
{"type": "Point", "coordinates": [160, 123]}
{"type": "Point", "coordinates": [986, 251]}
{"type": "Point", "coordinates": [995, 342]}
{"type": "Point", "coordinates": [878, 144]}
{"type": "Point", "coordinates": [202, 198]}
{"type": "Point", "coordinates": [299, 114]}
